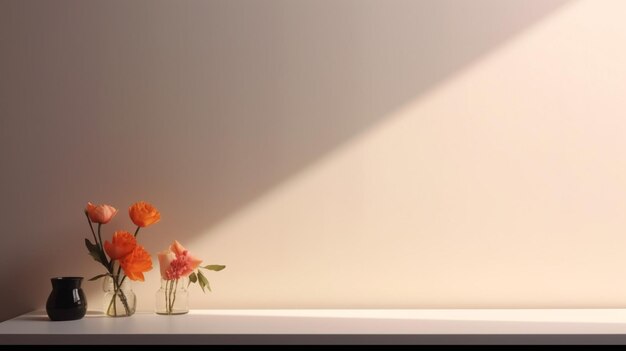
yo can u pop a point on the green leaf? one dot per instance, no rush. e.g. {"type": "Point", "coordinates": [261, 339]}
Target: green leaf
{"type": "Point", "coordinates": [201, 281]}
{"type": "Point", "coordinates": [192, 278]}
{"type": "Point", "coordinates": [214, 267]}
{"type": "Point", "coordinates": [204, 282]}
{"type": "Point", "coordinates": [99, 276]}
{"type": "Point", "coordinates": [94, 251]}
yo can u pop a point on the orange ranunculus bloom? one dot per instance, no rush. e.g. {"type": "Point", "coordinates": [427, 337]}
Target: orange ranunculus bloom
{"type": "Point", "coordinates": [136, 263]}
{"type": "Point", "coordinates": [123, 244]}
{"type": "Point", "coordinates": [143, 214]}
{"type": "Point", "coordinates": [100, 213]}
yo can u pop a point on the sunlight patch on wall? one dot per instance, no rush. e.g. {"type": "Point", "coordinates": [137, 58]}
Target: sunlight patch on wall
{"type": "Point", "coordinates": [503, 186]}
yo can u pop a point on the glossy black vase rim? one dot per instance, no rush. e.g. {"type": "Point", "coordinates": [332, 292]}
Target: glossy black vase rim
{"type": "Point", "coordinates": [66, 282]}
{"type": "Point", "coordinates": [66, 278]}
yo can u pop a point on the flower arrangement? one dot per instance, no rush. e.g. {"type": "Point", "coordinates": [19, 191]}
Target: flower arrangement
{"type": "Point", "coordinates": [122, 257]}
{"type": "Point", "coordinates": [175, 264]}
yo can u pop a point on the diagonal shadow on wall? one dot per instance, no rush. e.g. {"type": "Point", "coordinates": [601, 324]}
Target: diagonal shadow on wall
{"type": "Point", "coordinates": [200, 107]}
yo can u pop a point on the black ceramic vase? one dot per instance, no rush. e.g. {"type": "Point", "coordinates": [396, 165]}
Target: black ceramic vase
{"type": "Point", "coordinates": [67, 300]}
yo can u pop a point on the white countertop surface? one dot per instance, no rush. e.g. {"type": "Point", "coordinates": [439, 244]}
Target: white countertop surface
{"type": "Point", "coordinates": [328, 326]}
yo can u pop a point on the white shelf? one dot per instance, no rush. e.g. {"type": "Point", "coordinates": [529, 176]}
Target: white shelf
{"type": "Point", "coordinates": [511, 326]}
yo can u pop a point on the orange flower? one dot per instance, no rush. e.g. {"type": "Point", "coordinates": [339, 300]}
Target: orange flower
{"type": "Point", "coordinates": [100, 213]}
{"type": "Point", "coordinates": [143, 214]}
{"type": "Point", "coordinates": [136, 263]}
{"type": "Point", "coordinates": [123, 244]}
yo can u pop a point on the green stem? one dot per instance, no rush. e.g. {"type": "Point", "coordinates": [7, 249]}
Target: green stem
{"type": "Point", "coordinates": [167, 301]}
{"type": "Point", "coordinates": [99, 234]}
{"type": "Point", "coordinates": [120, 292]}
{"type": "Point", "coordinates": [112, 302]}
{"type": "Point", "coordinates": [119, 270]}
{"type": "Point", "coordinates": [137, 231]}
{"type": "Point", "coordinates": [105, 260]}
{"type": "Point", "coordinates": [114, 299]}
{"type": "Point", "coordinates": [122, 282]}
{"type": "Point", "coordinates": [174, 294]}
{"type": "Point", "coordinates": [169, 294]}
{"type": "Point", "coordinates": [117, 291]}
{"type": "Point", "coordinates": [91, 227]}
{"type": "Point", "coordinates": [169, 297]}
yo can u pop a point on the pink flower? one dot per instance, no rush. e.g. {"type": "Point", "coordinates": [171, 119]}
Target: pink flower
{"type": "Point", "coordinates": [165, 261]}
{"type": "Point", "coordinates": [100, 213]}
{"type": "Point", "coordinates": [177, 248]}
{"type": "Point", "coordinates": [177, 262]}
{"type": "Point", "coordinates": [189, 262]}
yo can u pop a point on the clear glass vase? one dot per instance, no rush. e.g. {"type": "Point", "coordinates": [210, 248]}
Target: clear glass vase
{"type": "Point", "coordinates": [119, 300]}
{"type": "Point", "coordinates": [173, 297]}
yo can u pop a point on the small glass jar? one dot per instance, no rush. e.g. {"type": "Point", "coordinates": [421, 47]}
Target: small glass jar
{"type": "Point", "coordinates": [118, 302]}
{"type": "Point", "coordinates": [173, 297]}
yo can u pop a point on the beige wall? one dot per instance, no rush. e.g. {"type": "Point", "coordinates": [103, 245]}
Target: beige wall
{"type": "Point", "coordinates": [330, 153]}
